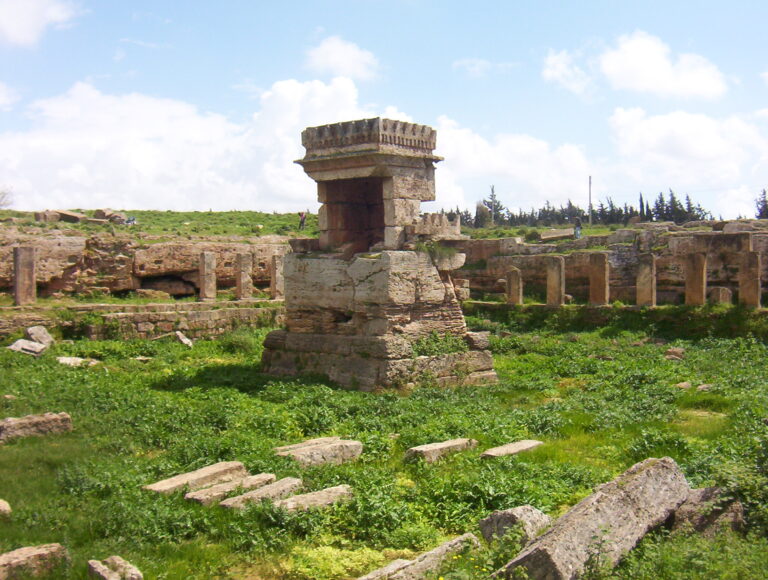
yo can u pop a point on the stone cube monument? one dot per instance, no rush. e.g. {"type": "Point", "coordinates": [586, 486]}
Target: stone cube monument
{"type": "Point", "coordinates": [377, 280]}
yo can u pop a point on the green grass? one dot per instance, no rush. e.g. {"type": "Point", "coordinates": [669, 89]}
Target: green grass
{"type": "Point", "coordinates": [600, 400]}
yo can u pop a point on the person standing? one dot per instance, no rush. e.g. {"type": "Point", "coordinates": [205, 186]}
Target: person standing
{"type": "Point", "coordinates": [302, 219]}
{"type": "Point", "coordinates": [577, 228]}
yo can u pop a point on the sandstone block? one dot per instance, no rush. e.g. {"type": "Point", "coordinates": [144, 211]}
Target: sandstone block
{"type": "Point", "coordinates": [34, 425]}
{"type": "Point", "coordinates": [323, 498]}
{"type": "Point", "coordinates": [215, 493]}
{"type": "Point", "coordinates": [511, 448]}
{"type": "Point", "coordinates": [212, 474]}
{"type": "Point", "coordinates": [431, 561]}
{"type": "Point", "coordinates": [707, 511]}
{"type": "Point", "coordinates": [5, 508]}
{"type": "Point", "coordinates": [431, 452]}
{"type": "Point", "coordinates": [617, 516]}
{"type": "Point", "coordinates": [276, 490]}
{"type": "Point", "coordinates": [28, 347]}
{"type": "Point", "coordinates": [39, 334]}
{"type": "Point", "coordinates": [321, 451]}
{"type": "Point", "coordinates": [531, 520]}
{"type": "Point", "coordinates": [32, 561]}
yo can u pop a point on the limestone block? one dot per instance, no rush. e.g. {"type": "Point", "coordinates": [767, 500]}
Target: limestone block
{"type": "Point", "coordinates": [5, 508]}
{"type": "Point", "coordinates": [449, 262]}
{"type": "Point", "coordinates": [317, 282]}
{"type": "Point", "coordinates": [646, 280]}
{"type": "Point", "coordinates": [182, 338]}
{"type": "Point", "coordinates": [431, 452]}
{"type": "Point", "coordinates": [212, 474]}
{"type": "Point", "coordinates": [323, 498]}
{"type": "Point", "coordinates": [32, 561]}
{"type": "Point", "coordinates": [387, 571]}
{"type": "Point", "coordinates": [278, 489]}
{"type": "Point", "coordinates": [276, 278]}
{"type": "Point", "coordinates": [478, 340]}
{"type": "Point", "coordinates": [511, 448]}
{"type": "Point", "coordinates": [34, 425]}
{"type": "Point", "coordinates": [76, 361]}
{"type": "Point", "coordinates": [28, 347]}
{"type": "Point", "coordinates": [320, 451]}
{"type": "Point", "coordinates": [39, 334]}
{"type": "Point", "coordinates": [24, 275]}
{"type": "Point", "coordinates": [431, 561]}
{"type": "Point", "coordinates": [750, 286]}
{"type": "Point", "coordinates": [243, 276]}
{"type": "Point", "coordinates": [696, 279]}
{"type": "Point", "coordinates": [599, 271]}
{"type": "Point", "coordinates": [394, 237]}
{"type": "Point", "coordinates": [207, 276]}
{"type": "Point", "coordinates": [531, 520]}
{"type": "Point", "coordinates": [401, 212]}
{"type": "Point", "coordinates": [617, 515]}
{"type": "Point", "coordinates": [555, 281]}
{"type": "Point", "coordinates": [707, 511]}
{"type": "Point", "coordinates": [70, 216]}
{"type": "Point", "coordinates": [554, 235]}
{"type": "Point", "coordinates": [514, 286]}
{"type": "Point", "coordinates": [216, 493]}
{"type": "Point", "coordinates": [126, 570]}
{"type": "Point", "coordinates": [97, 569]}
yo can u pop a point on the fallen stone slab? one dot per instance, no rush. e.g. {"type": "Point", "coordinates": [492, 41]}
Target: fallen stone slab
{"type": "Point", "coordinates": [71, 216]}
{"type": "Point", "coordinates": [215, 493]}
{"type": "Point", "coordinates": [386, 571]}
{"type": "Point", "coordinates": [281, 488]}
{"type": "Point", "coordinates": [34, 426]}
{"type": "Point", "coordinates": [511, 448]}
{"type": "Point", "coordinates": [126, 570]}
{"type": "Point", "coordinates": [39, 334]}
{"type": "Point", "coordinates": [76, 361]}
{"type": "Point", "coordinates": [205, 476]}
{"type": "Point", "coordinates": [531, 521]}
{"type": "Point", "coordinates": [28, 347]}
{"type": "Point", "coordinates": [32, 561]}
{"type": "Point", "coordinates": [5, 508]}
{"type": "Point", "coordinates": [431, 561]}
{"type": "Point", "coordinates": [323, 498]}
{"type": "Point", "coordinates": [613, 519]}
{"type": "Point", "coordinates": [431, 452]}
{"type": "Point", "coordinates": [100, 570]}
{"type": "Point", "coordinates": [333, 450]}
{"type": "Point", "coordinates": [182, 338]}
{"type": "Point", "coordinates": [707, 512]}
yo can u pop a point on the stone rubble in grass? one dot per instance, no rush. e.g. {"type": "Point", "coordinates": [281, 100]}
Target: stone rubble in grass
{"type": "Point", "coordinates": [126, 570]}
{"type": "Point", "coordinates": [182, 338]}
{"type": "Point", "coordinates": [10, 397]}
{"type": "Point", "coordinates": [432, 560]}
{"type": "Point", "coordinates": [431, 452]}
{"type": "Point", "coordinates": [39, 334]}
{"type": "Point", "coordinates": [32, 561]}
{"type": "Point", "coordinates": [323, 498]}
{"type": "Point", "coordinates": [5, 508]}
{"type": "Point", "coordinates": [206, 476]}
{"type": "Point", "coordinates": [333, 450]}
{"type": "Point", "coordinates": [674, 353]}
{"type": "Point", "coordinates": [704, 388]}
{"type": "Point", "coordinates": [531, 521]}
{"type": "Point", "coordinates": [685, 385]}
{"type": "Point", "coordinates": [34, 426]}
{"type": "Point", "coordinates": [279, 489]}
{"type": "Point", "coordinates": [76, 361]}
{"type": "Point", "coordinates": [28, 347]}
{"type": "Point", "coordinates": [216, 493]}
{"type": "Point", "coordinates": [511, 448]}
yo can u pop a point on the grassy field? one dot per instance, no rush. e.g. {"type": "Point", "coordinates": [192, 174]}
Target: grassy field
{"type": "Point", "coordinates": [601, 400]}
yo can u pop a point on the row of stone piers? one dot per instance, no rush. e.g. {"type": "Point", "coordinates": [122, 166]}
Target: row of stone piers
{"type": "Point", "coordinates": [695, 266]}
{"type": "Point", "coordinates": [25, 276]}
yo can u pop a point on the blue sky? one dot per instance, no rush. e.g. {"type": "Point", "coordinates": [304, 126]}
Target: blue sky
{"type": "Point", "coordinates": [200, 105]}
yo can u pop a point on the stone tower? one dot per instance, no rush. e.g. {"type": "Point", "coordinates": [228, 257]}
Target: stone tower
{"type": "Point", "coordinates": [377, 280]}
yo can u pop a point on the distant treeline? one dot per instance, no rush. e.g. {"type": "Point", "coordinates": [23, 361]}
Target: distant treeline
{"type": "Point", "coordinates": [665, 208]}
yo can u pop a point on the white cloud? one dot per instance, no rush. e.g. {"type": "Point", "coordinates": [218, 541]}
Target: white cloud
{"type": "Point", "coordinates": [559, 68]}
{"type": "Point", "coordinates": [479, 67]}
{"type": "Point", "coordinates": [339, 57]}
{"type": "Point", "coordinates": [7, 97]}
{"type": "Point", "coordinates": [764, 76]}
{"type": "Point", "coordinates": [644, 63]}
{"type": "Point", "coordinates": [23, 22]}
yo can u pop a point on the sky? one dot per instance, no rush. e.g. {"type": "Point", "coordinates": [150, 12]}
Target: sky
{"type": "Point", "coordinates": [200, 105]}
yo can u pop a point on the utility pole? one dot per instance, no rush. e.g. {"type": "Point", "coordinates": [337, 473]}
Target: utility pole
{"type": "Point", "coordinates": [590, 201]}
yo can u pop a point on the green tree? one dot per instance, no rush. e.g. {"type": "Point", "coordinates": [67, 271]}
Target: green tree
{"type": "Point", "coordinates": [761, 204]}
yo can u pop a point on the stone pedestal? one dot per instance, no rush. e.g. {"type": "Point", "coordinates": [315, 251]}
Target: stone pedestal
{"type": "Point", "coordinates": [749, 280]}
{"type": "Point", "coordinates": [598, 279]}
{"type": "Point", "coordinates": [243, 276]}
{"type": "Point", "coordinates": [696, 279]}
{"type": "Point", "coordinates": [646, 280]}
{"type": "Point", "coordinates": [207, 276]}
{"type": "Point", "coordinates": [276, 281]}
{"type": "Point", "coordinates": [514, 286]}
{"type": "Point", "coordinates": [555, 281]}
{"type": "Point", "coordinates": [24, 276]}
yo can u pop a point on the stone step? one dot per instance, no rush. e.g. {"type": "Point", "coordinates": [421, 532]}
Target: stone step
{"type": "Point", "coordinates": [431, 452]}
{"type": "Point", "coordinates": [215, 493]}
{"type": "Point", "coordinates": [276, 490]}
{"type": "Point", "coordinates": [511, 448]}
{"type": "Point", "coordinates": [206, 476]}
{"type": "Point", "coordinates": [333, 450]}
{"type": "Point", "coordinates": [323, 498]}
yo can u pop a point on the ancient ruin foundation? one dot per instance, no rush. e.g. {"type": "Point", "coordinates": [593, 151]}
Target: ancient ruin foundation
{"type": "Point", "coordinates": [358, 298]}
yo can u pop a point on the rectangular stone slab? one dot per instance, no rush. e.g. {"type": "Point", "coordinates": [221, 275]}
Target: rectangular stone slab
{"type": "Point", "coordinates": [28, 347]}
{"type": "Point", "coordinates": [307, 443]}
{"type": "Point", "coordinates": [32, 560]}
{"type": "Point", "coordinates": [431, 452]}
{"type": "Point", "coordinates": [386, 571]}
{"type": "Point", "coordinates": [511, 448]}
{"type": "Point", "coordinates": [205, 476]}
{"type": "Point", "coordinates": [334, 452]}
{"type": "Point", "coordinates": [98, 570]}
{"type": "Point", "coordinates": [322, 498]}
{"type": "Point", "coordinates": [431, 561]}
{"type": "Point", "coordinates": [617, 516]}
{"type": "Point", "coordinates": [34, 425]}
{"type": "Point", "coordinates": [215, 493]}
{"type": "Point", "coordinates": [278, 489]}
{"type": "Point", "coordinates": [126, 570]}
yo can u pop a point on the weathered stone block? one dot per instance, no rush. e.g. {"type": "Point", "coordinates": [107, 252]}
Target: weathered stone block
{"type": "Point", "coordinates": [24, 275]}
{"type": "Point", "coordinates": [696, 279]}
{"type": "Point", "coordinates": [599, 291]}
{"type": "Point", "coordinates": [387, 571]}
{"type": "Point", "coordinates": [212, 474]}
{"type": "Point", "coordinates": [432, 560]}
{"type": "Point", "coordinates": [616, 516]}
{"type": "Point", "coordinates": [243, 276]}
{"type": "Point", "coordinates": [511, 448]}
{"type": "Point", "coordinates": [32, 561]}
{"type": "Point", "coordinates": [276, 278]}
{"type": "Point", "coordinates": [216, 493]}
{"type": "Point", "coordinates": [114, 568]}
{"type": "Point", "coordinates": [514, 286]}
{"type": "Point", "coordinates": [39, 334]}
{"type": "Point", "coordinates": [431, 452]}
{"type": "Point", "coordinates": [707, 511]}
{"type": "Point", "coordinates": [5, 508]}
{"type": "Point", "coordinates": [531, 521]}
{"type": "Point", "coordinates": [555, 281]}
{"type": "Point", "coordinates": [646, 280]}
{"type": "Point", "coordinates": [331, 450]}
{"type": "Point", "coordinates": [28, 347]}
{"type": "Point", "coordinates": [278, 489]}
{"type": "Point", "coordinates": [323, 498]}
{"type": "Point", "coordinates": [34, 425]}
{"type": "Point", "coordinates": [207, 276]}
